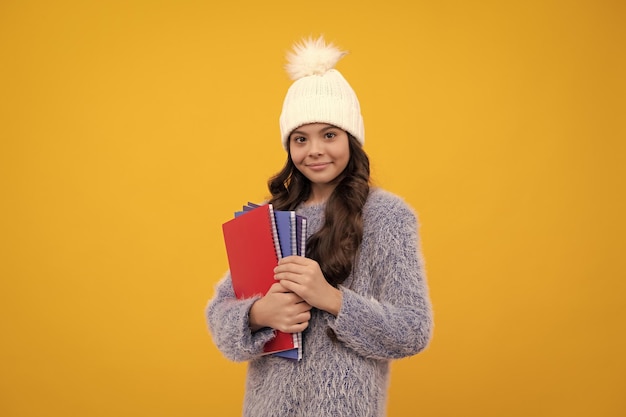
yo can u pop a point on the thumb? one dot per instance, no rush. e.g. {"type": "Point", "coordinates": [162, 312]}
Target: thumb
{"type": "Point", "coordinates": [277, 287]}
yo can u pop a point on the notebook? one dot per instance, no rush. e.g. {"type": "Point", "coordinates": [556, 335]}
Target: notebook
{"type": "Point", "coordinates": [290, 236]}
{"type": "Point", "coordinates": [253, 250]}
{"type": "Point", "coordinates": [286, 223]}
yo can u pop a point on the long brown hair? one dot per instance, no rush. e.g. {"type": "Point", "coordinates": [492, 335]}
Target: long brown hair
{"type": "Point", "coordinates": [335, 245]}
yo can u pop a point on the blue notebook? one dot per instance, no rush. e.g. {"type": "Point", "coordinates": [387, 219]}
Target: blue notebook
{"type": "Point", "coordinates": [286, 226]}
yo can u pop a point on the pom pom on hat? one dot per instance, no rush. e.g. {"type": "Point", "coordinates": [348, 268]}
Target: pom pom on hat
{"type": "Point", "coordinates": [312, 57]}
{"type": "Point", "coordinates": [319, 94]}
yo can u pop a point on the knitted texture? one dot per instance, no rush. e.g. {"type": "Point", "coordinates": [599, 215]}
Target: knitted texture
{"type": "Point", "coordinates": [385, 314]}
{"type": "Point", "coordinates": [320, 94]}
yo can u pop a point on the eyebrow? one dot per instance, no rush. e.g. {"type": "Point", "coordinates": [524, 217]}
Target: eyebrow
{"type": "Point", "coordinates": [299, 132]}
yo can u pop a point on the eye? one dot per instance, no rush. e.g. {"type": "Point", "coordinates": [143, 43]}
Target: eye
{"type": "Point", "coordinates": [298, 139]}
{"type": "Point", "coordinates": [329, 135]}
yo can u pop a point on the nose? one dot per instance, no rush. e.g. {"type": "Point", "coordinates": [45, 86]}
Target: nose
{"type": "Point", "coordinates": [315, 148]}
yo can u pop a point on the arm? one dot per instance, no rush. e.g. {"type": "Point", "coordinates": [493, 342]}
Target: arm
{"type": "Point", "coordinates": [228, 322]}
{"type": "Point", "coordinates": [395, 319]}
{"type": "Point", "coordinates": [240, 328]}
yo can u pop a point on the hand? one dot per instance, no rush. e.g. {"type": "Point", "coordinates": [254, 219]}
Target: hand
{"type": "Point", "coordinates": [280, 309]}
{"type": "Point", "coordinates": [304, 277]}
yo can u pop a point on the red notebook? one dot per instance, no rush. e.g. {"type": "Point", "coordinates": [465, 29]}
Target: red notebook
{"type": "Point", "coordinates": [251, 248]}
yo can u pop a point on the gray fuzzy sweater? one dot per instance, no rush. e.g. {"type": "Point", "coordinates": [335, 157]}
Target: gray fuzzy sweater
{"type": "Point", "coordinates": [385, 314]}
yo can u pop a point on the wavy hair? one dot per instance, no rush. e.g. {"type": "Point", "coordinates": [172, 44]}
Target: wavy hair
{"type": "Point", "coordinates": [335, 245]}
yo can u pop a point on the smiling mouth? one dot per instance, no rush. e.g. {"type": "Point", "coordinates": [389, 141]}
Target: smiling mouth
{"type": "Point", "coordinates": [318, 166]}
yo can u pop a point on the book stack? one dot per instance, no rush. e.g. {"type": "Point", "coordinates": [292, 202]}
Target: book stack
{"type": "Point", "coordinates": [255, 240]}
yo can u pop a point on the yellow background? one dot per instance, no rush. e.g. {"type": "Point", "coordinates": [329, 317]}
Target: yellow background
{"type": "Point", "coordinates": [130, 130]}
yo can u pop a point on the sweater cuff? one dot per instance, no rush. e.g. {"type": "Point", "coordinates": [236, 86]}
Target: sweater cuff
{"type": "Point", "coordinates": [253, 342]}
{"type": "Point", "coordinates": [344, 311]}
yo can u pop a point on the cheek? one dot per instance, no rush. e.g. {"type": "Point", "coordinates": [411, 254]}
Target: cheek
{"type": "Point", "coordinates": [343, 154]}
{"type": "Point", "coordinates": [297, 157]}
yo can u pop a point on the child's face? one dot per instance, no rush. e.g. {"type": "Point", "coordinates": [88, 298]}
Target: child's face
{"type": "Point", "coordinates": [320, 152]}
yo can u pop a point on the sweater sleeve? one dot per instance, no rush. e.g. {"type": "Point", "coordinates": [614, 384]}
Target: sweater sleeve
{"type": "Point", "coordinates": [394, 319]}
{"type": "Point", "coordinates": [228, 322]}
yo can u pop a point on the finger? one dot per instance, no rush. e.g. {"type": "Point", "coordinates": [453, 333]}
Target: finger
{"type": "Point", "coordinates": [299, 319]}
{"type": "Point", "coordinates": [277, 288]}
{"type": "Point", "coordinates": [293, 298]}
{"type": "Point", "coordinates": [294, 327]}
{"type": "Point", "coordinates": [289, 267]}
{"type": "Point", "coordinates": [305, 306]}
{"type": "Point", "coordinates": [283, 277]}
{"type": "Point", "coordinates": [294, 259]}
{"type": "Point", "coordinates": [289, 285]}
{"type": "Point", "coordinates": [304, 316]}
{"type": "Point", "coordinates": [300, 327]}
{"type": "Point", "coordinates": [288, 274]}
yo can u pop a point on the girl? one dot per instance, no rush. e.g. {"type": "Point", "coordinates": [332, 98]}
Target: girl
{"type": "Point", "coordinates": [360, 295]}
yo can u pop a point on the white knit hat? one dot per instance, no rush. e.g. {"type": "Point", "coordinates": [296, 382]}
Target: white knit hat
{"type": "Point", "coordinates": [319, 93]}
